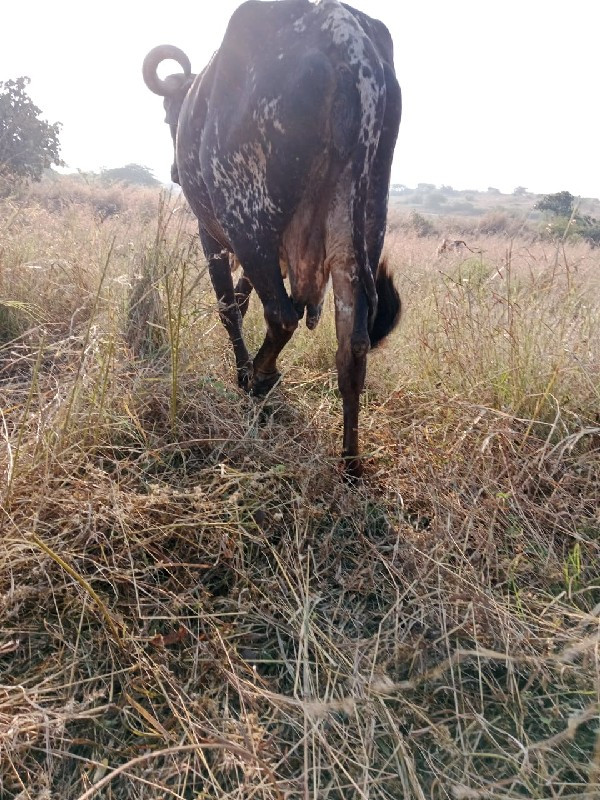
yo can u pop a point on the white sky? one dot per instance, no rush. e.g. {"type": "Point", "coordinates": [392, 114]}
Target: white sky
{"type": "Point", "coordinates": [496, 92]}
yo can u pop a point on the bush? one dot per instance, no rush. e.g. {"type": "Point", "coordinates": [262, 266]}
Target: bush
{"type": "Point", "coordinates": [586, 228]}
{"type": "Point", "coordinates": [589, 229]}
{"type": "Point", "coordinates": [560, 227]}
{"type": "Point", "coordinates": [592, 235]}
{"type": "Point", "coordinates": [421, 225]}
{"type": "Point", "coordinates": [500, 223]}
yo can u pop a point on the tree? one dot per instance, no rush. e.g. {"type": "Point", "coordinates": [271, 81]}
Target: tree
{"type": "Point", "coordinates": [559, 204]}
{"type": "Point", "coordinates": [520, 191]}
{"type": "Point", "coordinates": [130, 173]}
{"type": "Point", "coordinates": [28, 144]}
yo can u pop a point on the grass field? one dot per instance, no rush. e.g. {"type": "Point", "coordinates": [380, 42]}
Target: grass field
{"type": "Point", "coordinates": [195, 604]}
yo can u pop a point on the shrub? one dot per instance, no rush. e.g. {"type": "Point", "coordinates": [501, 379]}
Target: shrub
{"type": "Point", "coordinates": [500, 223]}
{"type": "Point", "coordinates": [592, 234]}
{"type": "Point", "coordinates": [586, 228]}
{"type": "Point", "coordinates": [421, 225]}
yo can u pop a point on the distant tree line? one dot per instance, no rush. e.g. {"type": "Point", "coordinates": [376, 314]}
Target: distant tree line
{"type": "Point", "coordinates": [29, 146]}
{"type": "Point", "coordinates": [130, 173]}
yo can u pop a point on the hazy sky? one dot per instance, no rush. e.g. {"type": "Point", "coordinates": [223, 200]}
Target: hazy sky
{"type": "Point", "coordinates": [496, 92]}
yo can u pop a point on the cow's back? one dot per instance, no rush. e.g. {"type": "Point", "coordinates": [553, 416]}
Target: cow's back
{"type": "Point", "coordinates": [285, 126]}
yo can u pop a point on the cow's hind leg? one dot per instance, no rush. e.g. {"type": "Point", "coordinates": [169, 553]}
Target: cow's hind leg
{"type": "Point", "coordinates": [264, 274]}
{"type": "Point", "coordinates": [266, 373]}
{"type": "Point", "coordinates": [243, 290]}
{"type": "Point", "coordinates": [351, 323]}
{"type": "Point", "coordinates": [229, 310]}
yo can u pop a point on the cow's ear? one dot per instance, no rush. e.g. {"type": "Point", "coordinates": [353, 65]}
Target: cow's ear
{"type": "Point", "coordinates": [172, 106]}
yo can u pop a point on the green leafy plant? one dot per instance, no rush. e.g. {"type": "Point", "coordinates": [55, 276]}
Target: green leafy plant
{"type": "Point", "coordinates": [28, 144]}
{"type": "Point", "coordinates": [560, 204]}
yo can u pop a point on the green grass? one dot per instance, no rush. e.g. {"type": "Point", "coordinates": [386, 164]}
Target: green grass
{"type": "Point", "coordinates": [195, 604]}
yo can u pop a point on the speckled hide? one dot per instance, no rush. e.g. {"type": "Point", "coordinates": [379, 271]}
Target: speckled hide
{"type": "Point", "coordinates": [283, 148]}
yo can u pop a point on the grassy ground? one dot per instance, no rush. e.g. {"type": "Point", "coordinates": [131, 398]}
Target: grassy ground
{"type": "Point", "coordinates": [194, 604]}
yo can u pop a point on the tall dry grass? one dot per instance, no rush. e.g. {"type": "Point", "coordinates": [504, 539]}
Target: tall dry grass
{"type": "Point", "coordinates": [194, 604]}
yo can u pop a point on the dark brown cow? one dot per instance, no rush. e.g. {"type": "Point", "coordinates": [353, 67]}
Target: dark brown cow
{"type": "Point", "coordinates": [283, 149]}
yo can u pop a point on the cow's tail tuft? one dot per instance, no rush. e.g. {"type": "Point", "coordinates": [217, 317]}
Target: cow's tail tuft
{"type": "Point", "coordinates": [389, 305]}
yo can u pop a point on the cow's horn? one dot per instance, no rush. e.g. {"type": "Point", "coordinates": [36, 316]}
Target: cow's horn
{"type": "Point", "coordinates": [154, 58]}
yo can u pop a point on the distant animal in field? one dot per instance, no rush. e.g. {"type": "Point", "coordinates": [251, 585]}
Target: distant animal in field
{"type": "Point", "coordinates": [449, 245]}
{"type": "Point", "coordinates": [283, 149]}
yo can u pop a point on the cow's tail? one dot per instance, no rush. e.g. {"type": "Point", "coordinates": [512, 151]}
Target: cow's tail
{"type": "Point", "coordinates": [389, 305]}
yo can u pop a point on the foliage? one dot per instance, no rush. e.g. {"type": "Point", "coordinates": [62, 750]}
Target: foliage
{"type": "Point", "coordinates": [28, 144]}
{"type": "Point", "coordinates": [421, 225]}
{"type": "Point", "coordinates": [561, 227]}
{"type": "Point", "coordinates": [583, 227]}
{"type": "Point", "coordinates": [566, 221]}
{"type": "Point", "coordinates": [131, 173]}
{"type": "Point", "coordinates": [589, 229]}
{"type": "Point", "coordinates": [559, 204]}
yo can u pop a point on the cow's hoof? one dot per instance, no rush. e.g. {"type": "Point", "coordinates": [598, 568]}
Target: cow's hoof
{"type": "Point", "coordinates": [360, 344]}
{"type": "Point", "coordinates": [313, 315]}
{"type": "Point", "coordinates": [263, 384]}
{"type": "Point", "coordinates": [244, 377]}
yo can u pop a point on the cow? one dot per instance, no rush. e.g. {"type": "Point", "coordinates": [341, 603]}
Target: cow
{"type": "Point", "coordinates": [283, 149]}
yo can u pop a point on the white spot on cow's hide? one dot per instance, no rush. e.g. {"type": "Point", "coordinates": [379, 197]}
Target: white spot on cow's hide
{"type": "Point", "coordinates": [345, 309]}
{"type": "Point", "coordinates": [350, 39]}
{"type": "Point", "coordinates": [268, 110]}
{"type": "Point", "coordinates": [242, 178]}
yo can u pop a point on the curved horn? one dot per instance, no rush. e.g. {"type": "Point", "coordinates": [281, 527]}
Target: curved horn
{"type": "Point", "coordinates": [154, 58]}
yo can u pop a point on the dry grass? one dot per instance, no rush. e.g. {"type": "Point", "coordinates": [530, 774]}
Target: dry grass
{"type": "Point", "coordinates": [195, 605]}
